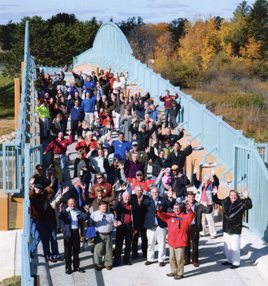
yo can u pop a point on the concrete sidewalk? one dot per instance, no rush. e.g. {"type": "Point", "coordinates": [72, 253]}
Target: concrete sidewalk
{"type": "Point", "coordinates": [253, 270]}
{"type": "Point", "coordinates": [10, 253]}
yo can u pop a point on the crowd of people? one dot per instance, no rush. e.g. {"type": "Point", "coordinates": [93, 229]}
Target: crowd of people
{"type": "Point", "coordinates": [119, 135]}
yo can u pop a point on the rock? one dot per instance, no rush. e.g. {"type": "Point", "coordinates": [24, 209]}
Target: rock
{"type": "Point", "coordinates": [8, 137]}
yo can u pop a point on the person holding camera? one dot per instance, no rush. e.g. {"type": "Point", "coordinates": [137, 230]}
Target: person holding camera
{"type": "Point", "coordinates": [178, 224]}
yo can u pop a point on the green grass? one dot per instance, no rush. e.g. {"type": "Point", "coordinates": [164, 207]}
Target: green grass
{"type": "Point", "coordinates": [12, 281]}
{"type": "Point", "coordinates": [6, 97]}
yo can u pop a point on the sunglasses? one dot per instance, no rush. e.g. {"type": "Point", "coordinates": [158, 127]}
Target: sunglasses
{"type": "Point", "coordinates": [99, 178]}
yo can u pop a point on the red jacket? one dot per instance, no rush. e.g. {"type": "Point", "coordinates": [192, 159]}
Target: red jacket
{"type": "Point", "coordinates": [177, 227]}
{"type": "Point", "coordinates": [144, 184]}
{"type": "Point", "coordinates": [59, 147]}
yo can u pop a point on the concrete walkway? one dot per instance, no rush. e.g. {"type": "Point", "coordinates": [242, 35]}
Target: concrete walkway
{"type": "Point", "coordinates": [253, 270]}
{"type": "Point", "coordinates": [10, 253]}
{"type": "Point", "coordinates": [210, 272]}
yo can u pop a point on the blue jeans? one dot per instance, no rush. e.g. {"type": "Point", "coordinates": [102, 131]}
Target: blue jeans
{"type": "Point", "coordinates": [62, 160]}
{"type": "Point", "coordinates": [46, 232]}
{"type": "Point", "coordinates": [35, 232]}
{"type": "Point", "coordinates": [167, 111]}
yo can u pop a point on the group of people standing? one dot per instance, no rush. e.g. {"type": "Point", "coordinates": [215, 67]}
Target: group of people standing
{"type": "Point", "coordinates": [111, 187]}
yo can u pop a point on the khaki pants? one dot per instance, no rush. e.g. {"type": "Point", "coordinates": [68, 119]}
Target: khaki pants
{"type": "Point", "coordinates": [176, 260]}
{"type": "Point", "coordinates": [103, 248]}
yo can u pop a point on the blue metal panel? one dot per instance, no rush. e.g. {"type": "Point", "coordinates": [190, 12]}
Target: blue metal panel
{"type": "Point", "coordinates": [195, 118]}
{"type": "Point", "coordinates": [209, 130]}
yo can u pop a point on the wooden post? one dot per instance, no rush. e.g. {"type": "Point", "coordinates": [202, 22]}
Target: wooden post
{"type": "Point", "coordinates": [22, 68]}
{"type": "Point", "coordinates": [17, 101]}
{"type": "Point", "coordinates": [19, 212]}
{"type": "Point", "coordinates": [3, 211]}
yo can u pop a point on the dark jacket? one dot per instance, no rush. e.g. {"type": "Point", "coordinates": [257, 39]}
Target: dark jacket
{"type": "Point", "coordinates": [179, 160]}
{"type": "Point", "coordinates": [198, 183]}
{"type": "Point", "coordinates": [138, 211]}
{"type": "Point", "coordinates": [66, 220]}
{"type": "Point", "coordinates": [142, 137]}
{"type": "Point", "coordinates": [158, 163]}
{"type": "Point", "coordinates": [121, 211]}
{"type": "Point", "coordinates": [172, 137]}
{"type": "Point", "coordinates": [198, 210]}
{"type": "Point", "coordinates": [113, 174]}
{"type": "Point", "coordinates": [86, 174]}
{"type": "Point", "coordinates": [233, 213]}
{"type": "Point", "coordinates": [151, 210]}
{"type": "Point", "coordinates": [179, 185]}
{"type": "Point", "coordinates": [74, 195]}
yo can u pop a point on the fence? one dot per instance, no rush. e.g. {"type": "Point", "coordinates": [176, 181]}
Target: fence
{"type": "Point", "coordinates": [112, 50]}
{"type": "Point", "coordinates": [21, 156]}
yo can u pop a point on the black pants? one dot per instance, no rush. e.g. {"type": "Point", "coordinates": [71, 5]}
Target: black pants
{"type": "Point", "coordinates": [72, 248]}
{"type": "Point", "coordinates": [74, 126]}
{"type": "Point", "coordinates": [123, 233]}
{"type": "Point", "coordinates": [193, 241]}
{"type": "Point", "coordinates": [144, 242]}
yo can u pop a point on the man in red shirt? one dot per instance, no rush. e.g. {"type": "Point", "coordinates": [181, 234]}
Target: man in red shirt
{"type": "Point", "coordinates": [59, 146]}
{"type": "Point", "coordinates": [168, 99]}
{"type": "Point", "coordinates": [140, 181]}
{"type": "Point", "coordinates": [88, 144]}
{"type": "Point", "coordinates": [178, 225]}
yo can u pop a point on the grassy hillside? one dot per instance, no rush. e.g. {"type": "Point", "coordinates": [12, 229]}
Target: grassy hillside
{"type": "Point", "coordinates": [6, 105]}
{"type": "Point", "coordinates": [243, 105]}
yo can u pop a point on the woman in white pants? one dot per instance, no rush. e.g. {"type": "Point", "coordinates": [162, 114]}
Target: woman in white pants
{"type": "Point", "coordinates": [233, 210]}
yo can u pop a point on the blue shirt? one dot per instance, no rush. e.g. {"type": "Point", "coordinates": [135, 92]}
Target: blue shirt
{"type": "Point", "coordinates": [89, 86]}
{"type": "Point", "coordinates": [76, 113]}
{"type": "Point", "coordinates": [120, 149]}
{"type": "Point", "coordinates": [88, 104]}
{"type": "Point", "coordinates": [154, 114]}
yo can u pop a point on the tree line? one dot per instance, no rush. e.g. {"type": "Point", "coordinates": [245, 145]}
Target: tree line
{"type": "Point", "coordinates": [185, 52]}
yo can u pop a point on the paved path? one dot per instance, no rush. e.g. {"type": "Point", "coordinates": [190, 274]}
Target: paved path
{"type": "Point", "coordinates": [210, 272]}
{"type": "Point", "coordinates": [10, 253]}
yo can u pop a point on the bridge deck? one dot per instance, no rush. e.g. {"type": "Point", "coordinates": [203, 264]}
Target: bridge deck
{"type": "Point", "coordinates": [210, 271]}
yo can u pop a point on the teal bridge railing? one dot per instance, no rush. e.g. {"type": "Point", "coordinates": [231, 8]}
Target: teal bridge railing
{"type": "Point", "coordinates": [230, 147]}
{"type": "Point", "coordinates": [21, 156]}
{"type": "Point", "coordinates": [111, 50]}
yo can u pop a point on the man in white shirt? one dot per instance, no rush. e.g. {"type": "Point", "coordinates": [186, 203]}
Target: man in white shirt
{"type": "Point", "coordinates": [71, 218]}
{"type": "Point", "coordinates": [104, 222]}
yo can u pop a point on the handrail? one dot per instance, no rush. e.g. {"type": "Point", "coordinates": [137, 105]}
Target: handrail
{"type": "Point", "coordinates": [21, 156]}
{"type": "Point", "coordinates": [215, 133]}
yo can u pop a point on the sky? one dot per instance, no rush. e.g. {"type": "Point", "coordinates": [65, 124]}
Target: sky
{"type": "Point", "coordinates": [152, 11]}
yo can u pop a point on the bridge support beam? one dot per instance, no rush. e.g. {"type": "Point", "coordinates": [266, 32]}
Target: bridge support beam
{"type": "Point", "coordinates": [17, 101]}
{"type": "Point", "coordinates": [3, 211]}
